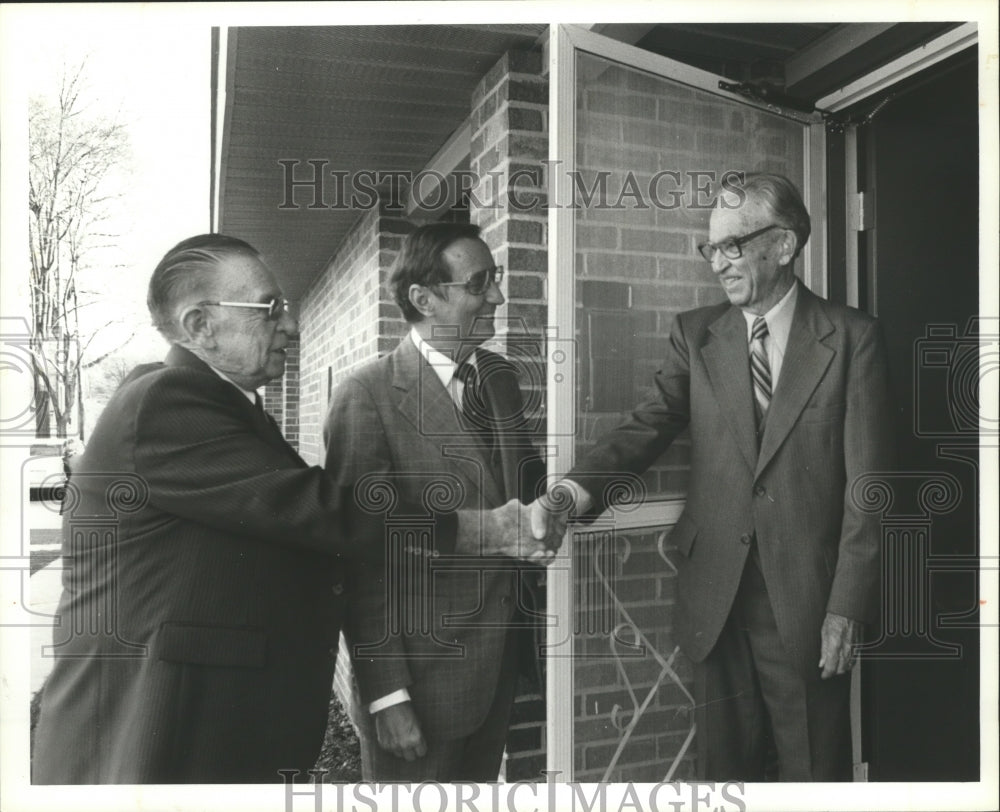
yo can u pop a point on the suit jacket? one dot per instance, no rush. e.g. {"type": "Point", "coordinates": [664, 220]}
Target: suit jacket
{"type": "Point", "coordinates": [827, 424]}
{"type": "Point", "coordinates": [437, 630]}
{"type": "Point", "coordinates": [202, 596]}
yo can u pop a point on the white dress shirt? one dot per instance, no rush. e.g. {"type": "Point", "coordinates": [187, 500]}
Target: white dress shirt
{"type": "Point", "coordinates": [779, 324]}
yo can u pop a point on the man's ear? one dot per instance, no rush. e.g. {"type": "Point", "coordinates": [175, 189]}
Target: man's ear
{"type": "Point", "coordinates": [787, 250]}
{"type": "Point", "coordinates": [423, 300]}
{"type": "Point", "coordinates": [196, 327]}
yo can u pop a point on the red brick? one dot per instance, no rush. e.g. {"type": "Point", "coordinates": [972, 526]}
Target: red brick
{"type": "Point", "coordinates": [525, 119]}
{"type": "Point", "coordinates": [522, 286]}
{"type": "Point", "coordinates": [525, 89]}
{"type": "Point", "coordinates": [527, 259]}
{"type": "Point", "coordinates": [526, 231]}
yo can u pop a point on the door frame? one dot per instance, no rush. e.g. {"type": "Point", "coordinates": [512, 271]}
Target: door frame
{"type": "Point", "coordinates": [562, 46]}
{"type": "Point", "coordinates": [901, 68]}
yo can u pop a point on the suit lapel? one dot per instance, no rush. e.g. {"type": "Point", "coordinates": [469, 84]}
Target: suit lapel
{"type": "Point", "coordinates": [428, 407]}
{"type": "Point", "coordinates": [726, 358]}
{"type": "Point", "coordinates": [806, 361]}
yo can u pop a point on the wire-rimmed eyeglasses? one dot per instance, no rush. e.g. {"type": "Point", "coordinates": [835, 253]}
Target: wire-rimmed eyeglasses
{"type": "Point", "coordinates": [274, 306]}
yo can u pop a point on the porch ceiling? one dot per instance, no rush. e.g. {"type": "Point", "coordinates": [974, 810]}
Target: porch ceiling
{"type": "Point", "coordinates": [359, 97]}
{"type": "Point", "coordinates": [388, 97]}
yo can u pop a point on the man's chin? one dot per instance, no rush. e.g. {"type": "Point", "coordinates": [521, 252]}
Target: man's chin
{"type": "Point", "coordinates": [482, 329]}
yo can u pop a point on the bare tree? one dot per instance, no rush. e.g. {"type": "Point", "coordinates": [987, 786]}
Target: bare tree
{"type": "Point", "coordinates": [71, 155]}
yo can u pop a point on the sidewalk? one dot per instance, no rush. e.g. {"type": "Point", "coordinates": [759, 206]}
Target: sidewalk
{"type": "Point", "coordinates": [45, 587]}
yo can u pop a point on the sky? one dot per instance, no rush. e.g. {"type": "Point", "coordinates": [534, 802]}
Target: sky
{"type": "Point", "coordinates": [151, 72]}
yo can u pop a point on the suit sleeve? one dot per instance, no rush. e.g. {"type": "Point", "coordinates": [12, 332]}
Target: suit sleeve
{"type": "Point", "coordinates": [202, 460]}
{"type": "Point", "coordinates": [868, 448]}
{"type": "Point", "coordinates": [634, 445]}
{"type": "Point", "coordinates": [356, 449]}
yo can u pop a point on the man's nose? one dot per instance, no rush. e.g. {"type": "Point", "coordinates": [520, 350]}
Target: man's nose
{"type": "Point", "coordinates": [719, 261]}
{"type": "Point", "coordinates": [494, 295]}
{"type": "Point", "coordinates": [288, 324]}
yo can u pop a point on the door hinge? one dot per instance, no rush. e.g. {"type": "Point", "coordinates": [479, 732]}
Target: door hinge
{"type": "Point", "coordinates": [866, 211]}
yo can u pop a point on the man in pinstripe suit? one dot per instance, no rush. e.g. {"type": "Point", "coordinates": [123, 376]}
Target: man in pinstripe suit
{"type": "Point", "coordinates": [436, 651]}
{"type": "Point", "coordinates": [204, 588]}
{"type": "Point", "coordinates": [786, 398]}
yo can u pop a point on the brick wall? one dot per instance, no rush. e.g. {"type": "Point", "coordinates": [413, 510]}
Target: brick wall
{"type": "Point", "coordinates": [509, 141]}
{"type": "Point", "coordinates": [624, 594]}
{"type": "Point", "coordinates": [281, 397]}
{"type": "Point", "coordinates": [347, 319]}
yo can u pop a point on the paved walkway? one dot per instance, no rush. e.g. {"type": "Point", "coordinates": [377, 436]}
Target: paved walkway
{"type": "Point", "coordinates": [44, 587]}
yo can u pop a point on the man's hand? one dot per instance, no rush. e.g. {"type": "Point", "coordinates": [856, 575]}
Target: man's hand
{"type": "Point", "coordinates": [550, 514]}
{"type": "Point", "coordinates": [838, 638]}
{"type": "Point", "coordinates": [399, 733]}
{"type": "Point", "coordinates": [504, 530]}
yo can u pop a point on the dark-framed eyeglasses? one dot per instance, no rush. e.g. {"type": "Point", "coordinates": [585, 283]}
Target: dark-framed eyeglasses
{"type": "Point", "coordinates": [274, 306]}
{"type": "Point", "coordinates": [732, 248]}
{"type": "Point", "coordinates": [479, 282]}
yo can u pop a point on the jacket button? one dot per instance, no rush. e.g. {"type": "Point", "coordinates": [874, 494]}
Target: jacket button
{"type": "Point", "coordinates": [746, 538]}
{"type": "Point", "coordinates": [760, 490]}
{"type": "Point", "coordinates": [337, 589]}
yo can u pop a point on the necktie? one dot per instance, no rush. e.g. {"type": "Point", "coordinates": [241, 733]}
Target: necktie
{"type": "Point", "coordinates": [760, 370]}
{"type": "Point", "coordinates": [475, 410]}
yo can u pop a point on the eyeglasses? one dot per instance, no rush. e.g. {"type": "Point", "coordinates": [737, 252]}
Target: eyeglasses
{"type": "Point", "coordinates": [274, 306]}
{"type": "Point", "coordinates": [733, 247]}
{"type": "Point", "coordinates": [479, 282]}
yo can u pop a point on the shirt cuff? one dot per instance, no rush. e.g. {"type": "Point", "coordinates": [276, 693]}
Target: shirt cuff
{"type": "Point", "coordinates": [395, 698]}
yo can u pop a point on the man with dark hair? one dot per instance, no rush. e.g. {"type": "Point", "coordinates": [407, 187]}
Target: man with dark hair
{"type": "Point", "coordinates": [204, 588]}
{"type": "Point", "coordinates": [436, 649]}
{"type": "Point", "coordinates": [786, 399]}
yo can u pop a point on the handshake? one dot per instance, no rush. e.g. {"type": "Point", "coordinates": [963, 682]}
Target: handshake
{"type": "Point", "coordinates": [529, 532]}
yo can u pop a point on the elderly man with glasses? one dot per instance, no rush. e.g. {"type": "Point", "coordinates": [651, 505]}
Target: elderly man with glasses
{"type": "Point", "coordinates": [436, 650]}
{"type": "Point", "coordinates": [786, 399]}
{"type": "Point", "coordinates": [204, 585]}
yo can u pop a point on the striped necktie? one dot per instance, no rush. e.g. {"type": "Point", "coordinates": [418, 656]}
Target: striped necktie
{"type": "Point", "coordinates": [760, 370]}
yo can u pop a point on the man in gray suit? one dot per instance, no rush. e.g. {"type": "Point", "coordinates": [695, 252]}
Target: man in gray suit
{"type": "Point", "coordinates": [436, 650]}
{"type": "Point", "coordinates": [786, 398]}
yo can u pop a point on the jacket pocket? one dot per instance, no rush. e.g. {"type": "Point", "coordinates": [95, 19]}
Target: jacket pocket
{"type": "Point", "coordinates": [823, 412]}
{"type": "Point", "coordinates": [211, 645]}
{"type": "Point", "coordinates": [683, 535]}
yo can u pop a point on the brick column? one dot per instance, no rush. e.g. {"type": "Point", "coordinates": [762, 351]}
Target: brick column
{"type": "Point", "coordinates": [509, 144]}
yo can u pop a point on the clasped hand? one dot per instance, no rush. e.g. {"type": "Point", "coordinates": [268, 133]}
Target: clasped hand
{"type": "Point", "coordinates": [529, 532]}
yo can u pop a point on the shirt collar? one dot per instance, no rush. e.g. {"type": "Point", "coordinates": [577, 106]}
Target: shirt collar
{"type": "Point", "coordinates": [444, 366]}
{"type": "Point", "coordinates": [778, 318]}
{"type": "Point", "coordinates": [251, 396]}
